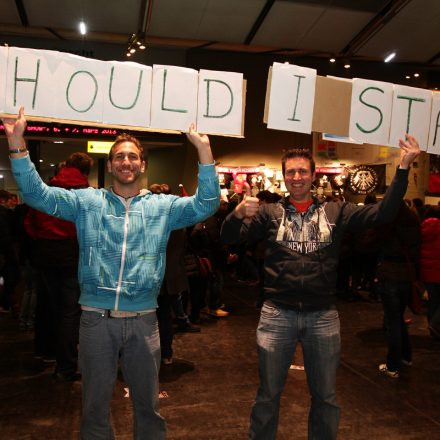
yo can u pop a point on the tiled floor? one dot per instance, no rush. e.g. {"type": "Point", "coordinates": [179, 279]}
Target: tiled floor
{"type": "Point", "coordinates": [209, 389]}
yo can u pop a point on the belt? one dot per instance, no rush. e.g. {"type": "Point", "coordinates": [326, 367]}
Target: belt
{"type": "Point", "coordinates": [118, 313]}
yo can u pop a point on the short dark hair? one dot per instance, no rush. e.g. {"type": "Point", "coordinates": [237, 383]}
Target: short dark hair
{"type": "Point", "coordinates": [125, 137]}
{"type": "Point", "coordinates": [81, 161]}
{"type": "Point", "coordinates": [297, 152]}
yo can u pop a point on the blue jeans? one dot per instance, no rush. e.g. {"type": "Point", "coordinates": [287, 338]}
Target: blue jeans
{"type": "Point", "coordinates": [278, 333]}
{"type": "Point", "coordinates": [395, 297]}
{"type": "Point", "coordinates": [135, 342]}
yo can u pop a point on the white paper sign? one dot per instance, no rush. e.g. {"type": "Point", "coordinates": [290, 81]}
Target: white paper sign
{"type": "Point", "coordinates": [292, 97]}
{"type": "Point", "coordinates": [81, 83]}
{"type": "Point", "coordinates": [127, 96]}
{"type": "Point", "coordinates": [434, 127]}
{"type": "Point", "coordinates": [174, 97]}
{"type": "Point", "coordinates": [3, 72]}
{"type": "Point", "coordinates": [220, 102]}
{"type": "Point", "coordinates": [411, 114]}
{"type": "Point", "coordinates": [31, 81]}
{"type": "Point", "coordinates": [370, 115]}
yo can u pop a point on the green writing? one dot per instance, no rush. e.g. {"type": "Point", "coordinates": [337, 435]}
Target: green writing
{"type": "Point", "coordinates": [208, 82]}
{"type": "Point", "coordinates": [364, 130]}
{"type": "Point", "coordinates": [293, 118]}
{"type": "Point", "coordinates": [436, 128]}
{"type": "Point", "coordinates": [68, 88]}
{"type": "Point", "coordinates": [410, 101]}
{"type": "Point", "coordinates": [34, 80]}
{"type": "Point", "coordinates": [128, 107]}
{"type": "Point", "coordinates": [165, 73]}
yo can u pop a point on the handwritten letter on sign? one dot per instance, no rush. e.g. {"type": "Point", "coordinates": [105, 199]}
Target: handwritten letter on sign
{"type": "Point", "coordinates": [434, 128]}
{"type": "Point", "coordinates": [220, 102]}
{"type": "Point", "coordinates": [411, 114]}
{"type": "Point", "coordinates": [292, 95]}
{"type": "Point", "coordinates": [370, 117]}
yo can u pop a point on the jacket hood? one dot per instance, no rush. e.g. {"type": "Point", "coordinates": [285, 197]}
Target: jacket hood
{"type": "Point", "coordinates": [430, 228]}
{"type": "Point", "coordinates": [70, 177]}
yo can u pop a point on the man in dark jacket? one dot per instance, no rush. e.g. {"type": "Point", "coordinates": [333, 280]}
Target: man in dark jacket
{"type": "Point", "coordinates": [55, 256]}
{"type": "Point", "coordinates": [303, 237]}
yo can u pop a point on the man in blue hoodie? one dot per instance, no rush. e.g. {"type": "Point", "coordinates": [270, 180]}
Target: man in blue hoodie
{"type": "Point", "coordinates": [122, 236]}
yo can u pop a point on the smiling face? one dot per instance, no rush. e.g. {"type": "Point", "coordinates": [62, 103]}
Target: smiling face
{"type": "Point", "coordinates": [298, 178]}
{"type": "Point", "coordinates": [125, 165]}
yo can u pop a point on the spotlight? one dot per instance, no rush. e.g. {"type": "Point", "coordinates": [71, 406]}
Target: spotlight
{"type": "Point", "coordinates": [82, 28]}
{"type": "Point", "coordinates": [332, 60]}
{"type": "Point", "coordinates": [347, 66]}
{"type": "Point", "coordinates": [132, 50]}
{"type": "Point", "coordinates": [389, 57]}
{"type": "Point", "coordinates": [407, 77]}
{"type": "Point", "coordinates": [416, 75]}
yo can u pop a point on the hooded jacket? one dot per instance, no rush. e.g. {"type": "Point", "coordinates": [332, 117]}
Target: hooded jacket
{"type": "Point", "coordinates": [302, 250]}
{"type": "Point", "coordinates": [122, 246]}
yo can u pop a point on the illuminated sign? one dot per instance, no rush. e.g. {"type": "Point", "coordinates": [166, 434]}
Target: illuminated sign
{"type": "Point", "coordinates": [98, 147]}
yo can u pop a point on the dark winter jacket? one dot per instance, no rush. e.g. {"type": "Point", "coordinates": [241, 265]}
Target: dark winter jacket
{"type": "Point", "coordinates": [300, 265]}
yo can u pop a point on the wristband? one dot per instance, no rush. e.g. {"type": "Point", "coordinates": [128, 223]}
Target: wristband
{"type": "Point", "coordinates": [17, 150]}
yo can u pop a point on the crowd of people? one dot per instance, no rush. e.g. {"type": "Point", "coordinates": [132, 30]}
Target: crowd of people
{"type": "Point", "coordinates": [79, 264]}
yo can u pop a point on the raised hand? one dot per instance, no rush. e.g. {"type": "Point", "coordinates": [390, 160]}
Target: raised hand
{"type": "Point", "coordinates": [248, 207]}
{"type": "Point", "coordinates": [409, 150]}
{"type": "Point", "coordinates": [201, 142]}
{"type": "Point", "coordinates": [15, 127]}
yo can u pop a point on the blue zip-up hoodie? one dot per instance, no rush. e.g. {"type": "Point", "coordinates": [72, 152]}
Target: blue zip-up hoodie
{"type": "Point", "coordinates": [122, 249]}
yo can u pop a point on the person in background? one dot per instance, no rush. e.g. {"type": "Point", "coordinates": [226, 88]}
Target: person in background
{"type": "Point", "coordinates": [430, 267]}
{"type": "Point", "coordinates": [303, 236]}
{"type": "Point", "coordinates": [55, 256]}
{"type": "Point", "coordinates": [396, 271]}
{"type": "Point", "coordinates": [122, 235]}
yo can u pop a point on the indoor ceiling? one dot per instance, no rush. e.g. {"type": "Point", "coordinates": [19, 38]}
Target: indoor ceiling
{"type": "Point", "coordinates": [360, 29]}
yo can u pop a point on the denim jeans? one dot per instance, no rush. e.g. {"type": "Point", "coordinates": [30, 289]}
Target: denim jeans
{"type": "Point", "coordinates": [395, 297]}
{"type": "Point", "coordinates": [278, 333]}
{"type": "Point", "coordinates": [135, 342]}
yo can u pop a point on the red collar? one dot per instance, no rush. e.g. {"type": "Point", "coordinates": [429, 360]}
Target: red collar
{"type": "Point", "coordinates": [301, 207]}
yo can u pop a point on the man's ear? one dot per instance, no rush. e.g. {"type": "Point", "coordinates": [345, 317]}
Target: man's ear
{"type": "Point", "coordinates": [109, 166]}
{"type": "Point", "coordinates": [144, 166]}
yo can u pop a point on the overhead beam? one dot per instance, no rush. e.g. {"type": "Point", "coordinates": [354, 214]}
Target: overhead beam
{"type": "Point", "coordinates": [22, 13]}
{"type": "Point", "coordinates": [388, 12]}
{"type": "Point", "coordinates": [259, 21]}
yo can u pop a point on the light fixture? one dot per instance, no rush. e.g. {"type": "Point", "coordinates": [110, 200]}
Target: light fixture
{"type": "Point", "coordinates": [136, 41]}
{"type": "Point", "coordinates": [416, 75]}
{"type": "Point", "coordinates": [389, 57]}
{"type": "Point", "coordinates": [347, 65]}
{"type": "Point", "coordinates": [41, 160]}
{"type": "Point", "coordinates": [332, 60]}
{"type": "Point", "coordinates": [407, 77]}
{"type": "Point", "coordinates": [52, 164]}
{"type": "Point", "coordinates": [1, 176]}
{"type": "Point", "coordinates": [58, 142]}
{"type": "Point", "coordinates": [82, 28]}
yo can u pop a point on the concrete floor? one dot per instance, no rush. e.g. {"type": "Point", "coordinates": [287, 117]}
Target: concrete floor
{"type": "Point", "coordinates": [209, 389]}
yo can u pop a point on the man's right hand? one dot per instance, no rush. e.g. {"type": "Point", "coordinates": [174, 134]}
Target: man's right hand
{"type": "Point", "coordinates": [14, 129]}
{"type": "Point", "coordinates": [248, 207]}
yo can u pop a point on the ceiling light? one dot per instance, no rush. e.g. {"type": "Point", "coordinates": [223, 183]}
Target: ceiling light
{"type": "Point", "coordinates": [407, 77]}
{"type": "Point", "coordinates": [128, 54]}
{"type": "Point", "coordinates": [142, 46]}
{"type": "Point", "coordinates": [1, 176]}
{"type": "Point", "coordinates": [347, 66]}
{"type": "Point", "coordinates": [52, 164]}
{"type": "Point", "coordinates": [332, 60]}
{"type": "Point", "coordinates": [82, 28]}
{"type": "Point", "coordinates": [416, 75]}
{"type": "Point", "coordinates": [390, 57]}
{"type": "Point", "coordinates": [132, 50]}
{"type": "Point", "coordinates": [41, 160]}
{"type": "Point", "coordinates": [58, 142]}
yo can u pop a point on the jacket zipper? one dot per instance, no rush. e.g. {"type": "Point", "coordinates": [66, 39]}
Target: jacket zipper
{"type": "Point", "coordinates": [124, 250]}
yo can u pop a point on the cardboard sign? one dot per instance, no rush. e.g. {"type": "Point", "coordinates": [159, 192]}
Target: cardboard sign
{"type": "Point", "coordinates": [411, 114]}
{"type": "Point", "coordinates": [174, 97]}
{"type": "Point", "coordinates": [59, 87]}
{"type": "Point", "coordinates": [128, 99]}
{"type": "Point", "coordinates": [220, 102]}
{"type": "Point", "coordinates": [291, 99]}
{"type": "Point", "coordinates": [371, 106]}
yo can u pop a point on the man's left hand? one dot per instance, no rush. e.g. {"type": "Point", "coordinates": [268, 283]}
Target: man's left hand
{"type": "Point", "coordinates": [409, 150]}
{"type": "Point", "coordinates": [201, 142]}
